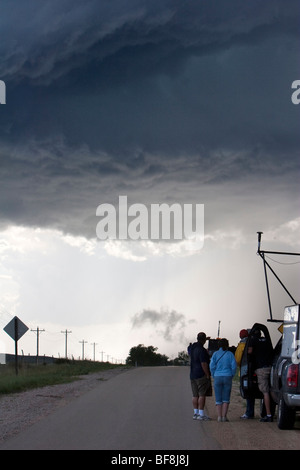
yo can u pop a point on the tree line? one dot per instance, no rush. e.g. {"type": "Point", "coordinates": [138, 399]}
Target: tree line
{"type": "Point", "coordinates": [141, 355]}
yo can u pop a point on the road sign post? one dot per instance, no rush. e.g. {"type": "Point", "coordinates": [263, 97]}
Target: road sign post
{"type": "Point", "coordinates": [16, 345]}
{"type": "Point", "coordinates": [16, 329]}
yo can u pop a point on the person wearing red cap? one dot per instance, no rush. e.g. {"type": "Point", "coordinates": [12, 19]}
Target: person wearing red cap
{"type": "Point", "coordinates": [250, 402]}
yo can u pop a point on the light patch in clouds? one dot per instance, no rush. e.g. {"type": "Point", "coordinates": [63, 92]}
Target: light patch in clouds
{"type": "Point", "coordinates": [287, 234]}
{"type": "Point", "coordinates": [140, 251]}
{"type": "Point", "coordinates": [233, 239]}
{"type": "Point", "coordinates": [83, 244]}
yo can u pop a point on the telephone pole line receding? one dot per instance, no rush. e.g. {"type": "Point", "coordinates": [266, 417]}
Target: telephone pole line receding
{"type": "Point", "coordinates": [102, 352]}
{"type": "Point", "coordinates": [37, 331]}
{"type": "Point", "coordinates": [94, 344]}
{"type": "Point", "coordinates": [83, 342]}
{"type": "Point", "coordinates": [66, 332]}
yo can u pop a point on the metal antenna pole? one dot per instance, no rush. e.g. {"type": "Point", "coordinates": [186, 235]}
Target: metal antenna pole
{"type": "Point", "coordinates": [259, 240]}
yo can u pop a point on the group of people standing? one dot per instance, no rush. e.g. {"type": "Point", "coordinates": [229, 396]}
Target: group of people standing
{"type": "Point", "coordinates": [222, 366]}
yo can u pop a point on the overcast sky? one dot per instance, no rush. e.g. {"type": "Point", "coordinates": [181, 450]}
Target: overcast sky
{"type": "Point", "coordinates": [169, 101]}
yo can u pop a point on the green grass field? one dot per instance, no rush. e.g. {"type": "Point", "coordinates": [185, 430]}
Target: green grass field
{"type": "Point", "coordinates": [33, 376]}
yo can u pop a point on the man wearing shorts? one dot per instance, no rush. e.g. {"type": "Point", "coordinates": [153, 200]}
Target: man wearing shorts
{"type": "Point", "coordinates": [200, 377]}
{"type": "Point", "coordinates": [262, 353]}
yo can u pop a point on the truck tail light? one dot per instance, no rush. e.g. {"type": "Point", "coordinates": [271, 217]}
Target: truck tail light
{"type": "Point", "coordinates": [292, 375]}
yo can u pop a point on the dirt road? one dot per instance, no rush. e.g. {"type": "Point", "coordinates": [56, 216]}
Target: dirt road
{"type": "Point", "coordinates": [143, 408]}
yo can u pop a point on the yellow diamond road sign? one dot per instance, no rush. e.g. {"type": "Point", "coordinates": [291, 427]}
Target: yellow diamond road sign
{"type": "Point", "coordinates": [15, 328]}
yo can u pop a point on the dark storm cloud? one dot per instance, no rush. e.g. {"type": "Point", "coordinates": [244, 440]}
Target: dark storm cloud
{"type": "Point", "coordinates": [52, 39]}
{"type": "Point", "coordinates": [143, 98]}
{"type": "Point", "coordinates": [161, 75]}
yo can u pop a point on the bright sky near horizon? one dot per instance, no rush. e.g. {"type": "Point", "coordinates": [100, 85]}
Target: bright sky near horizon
{"type": "Point", "coordinates": [165, 101]}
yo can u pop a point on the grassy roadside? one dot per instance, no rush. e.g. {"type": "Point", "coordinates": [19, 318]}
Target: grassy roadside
{"type": "Point", "coordinates": [33, 376]}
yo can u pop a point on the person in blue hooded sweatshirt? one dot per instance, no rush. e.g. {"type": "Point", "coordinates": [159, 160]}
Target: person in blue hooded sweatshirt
{"type": "Point", "coordinates": [223, 368]}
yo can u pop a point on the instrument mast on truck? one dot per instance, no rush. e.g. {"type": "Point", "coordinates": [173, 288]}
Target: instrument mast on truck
{"type": "Point", "coordinates": [262, 254]}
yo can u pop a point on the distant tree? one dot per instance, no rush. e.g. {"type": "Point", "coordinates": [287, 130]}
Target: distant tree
{"type": "Point", "coordinates": [145, 356]}
{"type": "Point", "coordinates": [182, 359]}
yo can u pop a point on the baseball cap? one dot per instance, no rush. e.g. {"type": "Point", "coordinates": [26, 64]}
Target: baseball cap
{"type": "Point", "coordinates": [243, 334]}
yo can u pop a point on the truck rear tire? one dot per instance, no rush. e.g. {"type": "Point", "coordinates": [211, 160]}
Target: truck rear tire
{"type": "Point", "coordinates": [285, 416]}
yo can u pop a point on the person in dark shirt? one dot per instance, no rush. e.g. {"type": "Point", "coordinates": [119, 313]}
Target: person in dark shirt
{"type": "Point", "coordinates": [261, 354]}
{"type": "Point", "coordinates": [199, 376]}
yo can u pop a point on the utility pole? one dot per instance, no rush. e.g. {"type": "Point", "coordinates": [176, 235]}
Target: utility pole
{"type": "Point", "coordinates": [219, 329]}
{"type": "Point", "coordinates": [94, 344]}
{"type": "Point", "coordinates": [102, 352]}
{"type": "Point", "coordinates": [37, 331]}
{"type": "Point", "coordinates": [83, 342]}
{"type": "Point", "coordinates": [66, 332]}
